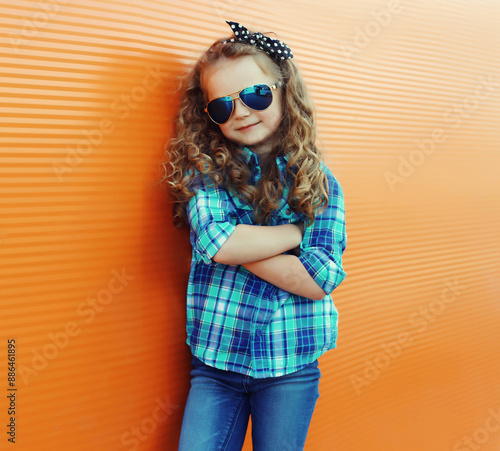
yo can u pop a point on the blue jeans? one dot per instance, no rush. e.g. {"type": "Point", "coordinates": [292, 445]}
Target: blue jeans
{"type": "Point", "coordinates": [220, 403]}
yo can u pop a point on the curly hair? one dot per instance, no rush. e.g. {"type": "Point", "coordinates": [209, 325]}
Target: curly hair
{"type": "Point", "coordinates": [199, 144]}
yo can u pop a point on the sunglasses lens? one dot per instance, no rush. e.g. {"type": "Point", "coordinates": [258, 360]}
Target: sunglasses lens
{"type": "Point", "coordinates": [220, 109]}
{"type": "Point", "coordinates": [257, 97]}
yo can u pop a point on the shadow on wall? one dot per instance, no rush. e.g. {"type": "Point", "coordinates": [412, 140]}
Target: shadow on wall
{"type": "Point", "coordinates": [169, 250]}
{"type": "Point", "coordinates": [165, 256]}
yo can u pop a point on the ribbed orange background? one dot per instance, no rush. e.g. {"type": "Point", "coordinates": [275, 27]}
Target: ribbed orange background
{"type": "Point", "coordinates": [93, 273]}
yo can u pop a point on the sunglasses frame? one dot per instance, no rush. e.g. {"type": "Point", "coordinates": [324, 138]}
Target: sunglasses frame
{"type": "Point", "coordinates": [236, 95]}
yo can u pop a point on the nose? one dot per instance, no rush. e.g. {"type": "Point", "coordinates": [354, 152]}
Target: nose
{"type": "Point", "coordinates": [240, 109]}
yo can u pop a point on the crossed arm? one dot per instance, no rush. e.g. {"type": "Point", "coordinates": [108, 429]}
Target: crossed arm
{"type": "Point", "coordinates": [260, 249]}
{"type": "Point", "coordinates": [315, 272]}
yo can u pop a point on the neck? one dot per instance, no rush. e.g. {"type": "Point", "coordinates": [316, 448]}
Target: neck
{"type": "Point", "coordinates": [263, 160]}
{"type": "Point", "coordinates": [263, 153]}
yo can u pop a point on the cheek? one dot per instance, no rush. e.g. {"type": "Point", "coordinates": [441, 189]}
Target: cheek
{"type": "Point", "coordinates": [277, 109]}
{"type": "Point", "coordinates": [274, 116]}
{"type": "Point", "coordinates": [225, 129]}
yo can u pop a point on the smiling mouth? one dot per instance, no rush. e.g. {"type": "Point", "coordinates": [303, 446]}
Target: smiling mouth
{"type": "Point", "coordinates": [247, 127]}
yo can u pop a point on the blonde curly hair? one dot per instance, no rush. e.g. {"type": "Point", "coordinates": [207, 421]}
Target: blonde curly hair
{"type": "Point", "coordinates": [199, 144]}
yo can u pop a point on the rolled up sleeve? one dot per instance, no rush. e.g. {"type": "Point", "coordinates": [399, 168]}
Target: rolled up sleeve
{"type": "Point", "coordinates": [211, 219]}
{"type": "Point", "coordinates": [324, 242]}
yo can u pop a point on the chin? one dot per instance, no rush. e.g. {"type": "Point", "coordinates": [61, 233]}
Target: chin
{"type": "Point", "coordinates": [258, 141]}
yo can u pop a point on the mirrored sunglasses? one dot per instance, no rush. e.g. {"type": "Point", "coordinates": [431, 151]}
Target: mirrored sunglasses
{"type": "Point", "coordinates": [256, 97]}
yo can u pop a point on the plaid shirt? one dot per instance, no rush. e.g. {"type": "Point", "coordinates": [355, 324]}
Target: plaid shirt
{"type": "Point", "coordinates": [236, 321]}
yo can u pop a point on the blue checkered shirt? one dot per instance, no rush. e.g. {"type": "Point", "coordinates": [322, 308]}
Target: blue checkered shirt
{"type": "Point", "coordinates": [236, 321]}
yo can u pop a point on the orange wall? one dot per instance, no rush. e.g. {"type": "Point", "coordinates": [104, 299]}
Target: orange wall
{"type": "Point", "coordinates": [93, 274]}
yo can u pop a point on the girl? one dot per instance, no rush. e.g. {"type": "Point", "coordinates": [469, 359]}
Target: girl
{"type": "Point", "coordinates": [267, 229]}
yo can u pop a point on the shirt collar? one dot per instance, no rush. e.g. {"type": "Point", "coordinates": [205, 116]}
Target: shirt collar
{"type": "Point", "coordinates": [249, 155]}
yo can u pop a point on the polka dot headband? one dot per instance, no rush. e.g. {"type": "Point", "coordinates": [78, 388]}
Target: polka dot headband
{"type": "Point", "coordinates": [275, 48]}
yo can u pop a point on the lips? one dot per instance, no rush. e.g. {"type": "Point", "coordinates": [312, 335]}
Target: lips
{"type": "Point", "coordinates": [247, 127]}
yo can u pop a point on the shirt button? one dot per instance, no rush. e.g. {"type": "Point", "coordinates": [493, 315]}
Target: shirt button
{"type": "Point", "coordinates": [288, 211]}
{"type": "Point", "coordinates": [258, 333]}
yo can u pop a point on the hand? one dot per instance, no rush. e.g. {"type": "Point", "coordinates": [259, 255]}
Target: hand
{"type": "Point", "coordinates": [300, 225]}
{"type": "Point", "coordinates": [296, 250]}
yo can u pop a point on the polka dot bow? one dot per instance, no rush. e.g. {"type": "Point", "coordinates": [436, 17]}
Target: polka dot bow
{"type": "Point", "coordinates": [276, 49]}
